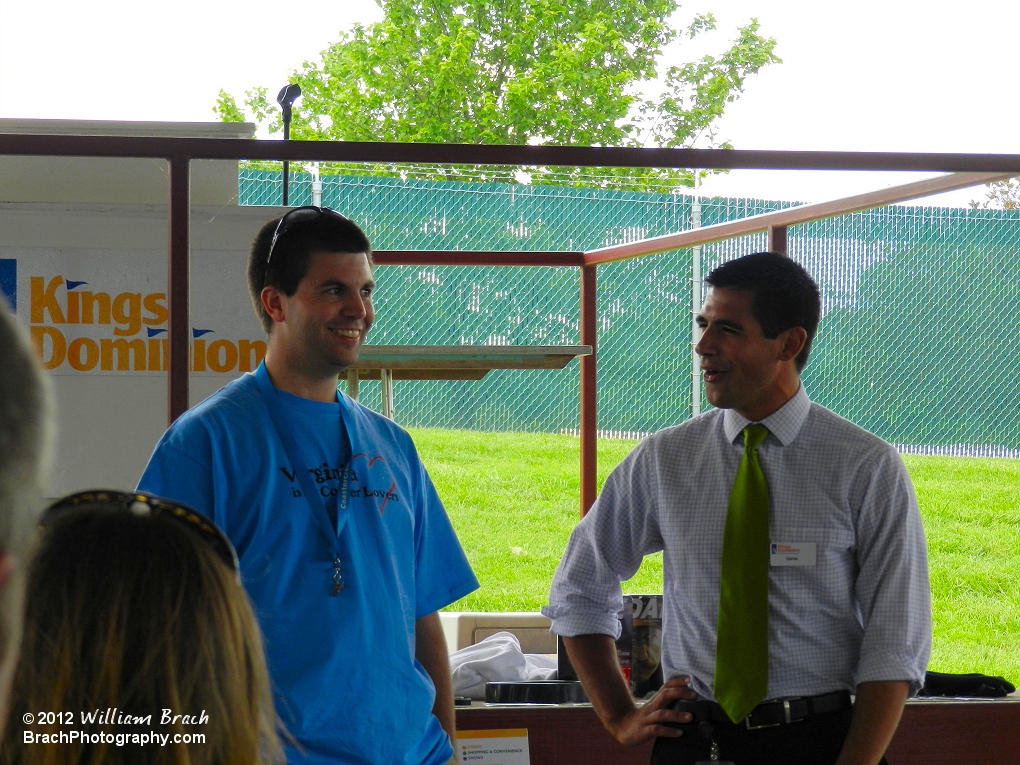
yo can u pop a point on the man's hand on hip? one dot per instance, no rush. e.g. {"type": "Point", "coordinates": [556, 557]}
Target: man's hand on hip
{"type": "Point", "coordinates": [649, 720]}
{"type": "Point", "coordinates": [594, 658]}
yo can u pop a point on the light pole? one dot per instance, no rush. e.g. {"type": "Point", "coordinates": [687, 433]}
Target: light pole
{"type": "Point", "coordinates": [286, 98]}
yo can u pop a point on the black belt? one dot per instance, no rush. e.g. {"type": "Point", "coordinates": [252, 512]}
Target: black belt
{"type": "Point", "coordinates": [770, 713]}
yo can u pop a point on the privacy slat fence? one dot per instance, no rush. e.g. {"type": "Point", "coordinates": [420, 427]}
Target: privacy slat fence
{"type": "Point", "coordinates": [920, 340]}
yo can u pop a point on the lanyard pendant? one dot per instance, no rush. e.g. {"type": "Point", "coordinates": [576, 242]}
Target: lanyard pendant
{"type": "Point", "coordinates": [338, 578]}
{"type": "Point", "coordinates": [713, 756]}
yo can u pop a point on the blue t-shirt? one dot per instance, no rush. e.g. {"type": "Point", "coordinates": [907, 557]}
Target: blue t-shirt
{"type": "Point", "coordinates": [347, 684]}
{"type": "Point", "coordinates": [321, 439]}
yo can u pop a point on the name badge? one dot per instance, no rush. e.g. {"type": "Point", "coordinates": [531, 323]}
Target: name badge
{"type": "Point", "coordinates": [793, 554]}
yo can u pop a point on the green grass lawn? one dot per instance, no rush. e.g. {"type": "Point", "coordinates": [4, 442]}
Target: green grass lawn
{"type": "Point", "coordinates": [513, 498]}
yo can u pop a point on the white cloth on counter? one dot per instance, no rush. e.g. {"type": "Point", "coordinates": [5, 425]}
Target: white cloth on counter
{"type": "Point", "coordinates": [497, 658]}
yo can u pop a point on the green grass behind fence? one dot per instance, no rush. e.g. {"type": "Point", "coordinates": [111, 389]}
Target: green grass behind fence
{"type": "Point", "coordinates": [513, 498]}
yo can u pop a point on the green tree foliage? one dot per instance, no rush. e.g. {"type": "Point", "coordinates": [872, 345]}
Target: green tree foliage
{"type": "Point", "coordinates": [1002, 195]}
{"type": "Point", "coordinates": [565, 72]}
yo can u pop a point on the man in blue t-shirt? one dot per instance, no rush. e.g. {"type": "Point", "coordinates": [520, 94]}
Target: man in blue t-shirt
{"type": "Point", "coordinates": [345, 548]}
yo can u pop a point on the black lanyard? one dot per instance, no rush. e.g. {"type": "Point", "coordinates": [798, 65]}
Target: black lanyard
{"type": "Point", "coordinates": [271, 399]}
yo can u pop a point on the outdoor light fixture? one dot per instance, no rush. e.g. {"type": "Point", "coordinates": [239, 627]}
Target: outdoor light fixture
{"type": "Point", "coordinates": [286, 98]}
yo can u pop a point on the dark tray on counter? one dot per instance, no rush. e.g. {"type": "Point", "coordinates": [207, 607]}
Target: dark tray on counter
{"type": "Point", "coordinates": [538, 692]}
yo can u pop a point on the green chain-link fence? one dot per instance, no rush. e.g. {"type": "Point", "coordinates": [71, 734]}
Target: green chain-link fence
{"type": "Point", "coordinates": [919, 340]}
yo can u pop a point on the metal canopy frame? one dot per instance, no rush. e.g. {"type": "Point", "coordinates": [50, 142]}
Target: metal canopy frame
{"type": "Point", "coordinates": [967, 170]}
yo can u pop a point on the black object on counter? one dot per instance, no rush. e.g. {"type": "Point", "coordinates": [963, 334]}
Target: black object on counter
{"type": "Point", "coordinates": [538, 692]}
{"type": "Point", "coordinates": [564, 669]}
{"type": "Point", "coordinates": [974, 686]}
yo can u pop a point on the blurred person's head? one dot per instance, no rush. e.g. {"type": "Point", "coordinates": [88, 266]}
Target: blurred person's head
{"type": "Point", "coordinates": [25, 438]}
{"type": "Point", "coordinates": [134, 604]}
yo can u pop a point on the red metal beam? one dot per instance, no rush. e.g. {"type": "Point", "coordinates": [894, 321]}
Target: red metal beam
{"type": "Point", "coordinates": [181, 150]}
{"type": "Point", "coordinates": [589, 412]}
{"type": "Point", "coordinates": [471, 154]}
{"type": "Point", "coordinates": [789, 217]}
{"type": "Point", "coordinates": [475, 258]}
{"type": "Point", "coordinates": [178, 279]}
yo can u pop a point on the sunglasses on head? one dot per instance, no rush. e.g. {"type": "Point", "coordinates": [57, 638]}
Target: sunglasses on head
{"type": "Point", "coordinates": [296, 217]}
{"type": "Point", "coordinates": [140, 503]}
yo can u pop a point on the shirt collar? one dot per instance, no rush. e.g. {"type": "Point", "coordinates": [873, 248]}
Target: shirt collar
{"type": "Point", "coordinates": [784, 423]}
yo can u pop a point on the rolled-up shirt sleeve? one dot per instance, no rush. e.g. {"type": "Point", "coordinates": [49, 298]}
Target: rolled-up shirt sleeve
{"type": "Point", "coordinates": [892, 583]}
{"type": "Point", "coordinates": [604, 549]}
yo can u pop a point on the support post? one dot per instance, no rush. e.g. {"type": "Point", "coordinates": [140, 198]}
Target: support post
{"type": "Point", "coordinates": [352, 383]}
{"type": "Point", "coordinates": [695, 308]}
{"type": "Point", "coordinates": [316, 186]}
{"type": "Point", "coordinates": [178, 285]}
{"type": "Point", "coordinates": [386, 382]}
{"type": "Point", "coordinates": [589, 420]}
{"type": "Point", "coordinates": [286, 164]}
{"type": "Point", "coordinates": [777, 240]}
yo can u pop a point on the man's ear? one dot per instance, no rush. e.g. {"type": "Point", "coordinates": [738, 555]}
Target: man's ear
{"type": "Point", "coordinates": [791, 343]}
{"type": "Point", "coordinates": [273, 302]}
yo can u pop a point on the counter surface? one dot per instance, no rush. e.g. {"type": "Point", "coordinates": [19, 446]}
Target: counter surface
{"type": "Point", "coordinates": [932, 732]}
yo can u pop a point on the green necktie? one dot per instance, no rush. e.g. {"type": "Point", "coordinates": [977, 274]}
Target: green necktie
{"type": "Point", "coordinates": [742, 644]}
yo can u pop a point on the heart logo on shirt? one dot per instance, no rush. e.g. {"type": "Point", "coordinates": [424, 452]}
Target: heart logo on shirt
{"type": "Point", "coordinates": [369, 487]}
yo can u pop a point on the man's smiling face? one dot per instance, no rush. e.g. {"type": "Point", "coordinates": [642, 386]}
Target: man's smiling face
{"type": "Point", "coordinates": [743, 370]}
{"type": "Point", "coordinates": [328, 316]}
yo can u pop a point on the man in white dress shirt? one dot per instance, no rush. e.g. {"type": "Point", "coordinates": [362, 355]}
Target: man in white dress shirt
{"type": "Point", "coordinates": [848, 614]}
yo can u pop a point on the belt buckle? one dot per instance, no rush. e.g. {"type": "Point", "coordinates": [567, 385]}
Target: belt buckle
{"type": "Point", "coordinates": [786, 718]}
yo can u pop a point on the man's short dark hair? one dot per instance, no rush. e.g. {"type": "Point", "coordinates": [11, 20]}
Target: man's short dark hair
{"type": "Point", "coordinates": [784, 294]}
{"type": "Point", "coordinates": [292, 250]}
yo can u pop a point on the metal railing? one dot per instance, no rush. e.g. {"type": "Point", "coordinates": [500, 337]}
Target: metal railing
{"type": "Point", "coordinates": [179, 152]}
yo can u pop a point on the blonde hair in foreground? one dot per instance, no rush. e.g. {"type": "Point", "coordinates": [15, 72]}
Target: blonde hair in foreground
{"type": "Point", "coordinates": [25, 440]}
{"type": "Point", "coordinates": [136, 613]}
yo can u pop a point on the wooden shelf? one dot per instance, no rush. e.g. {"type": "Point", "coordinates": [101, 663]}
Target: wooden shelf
{"type": "Point", "coordinates": [417, 373]}
{"type": "Point", "coordinates": [450, 362]}
{"type": "Point", "coordinates": [408, 360]}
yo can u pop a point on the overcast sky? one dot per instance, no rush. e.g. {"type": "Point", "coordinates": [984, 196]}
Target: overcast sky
{"type": "Point", "coordinates": [873, 75]}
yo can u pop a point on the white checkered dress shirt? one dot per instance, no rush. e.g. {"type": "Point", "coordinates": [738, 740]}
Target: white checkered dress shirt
{"type": "Point", "coordinates": [862, 613]}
